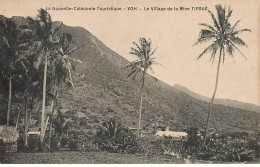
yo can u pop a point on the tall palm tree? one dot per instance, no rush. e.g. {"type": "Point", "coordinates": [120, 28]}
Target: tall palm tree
{"type": "Point", "coordinates": [44, 43]}
{"type": "Point", "coordinates": [61, 72]}
{"type": "Point", "coordinates": [9, 53]}
{"type": "Point", "coordinates": [225, 39]}
{"type": "Point", "coordinates": [144, 53]}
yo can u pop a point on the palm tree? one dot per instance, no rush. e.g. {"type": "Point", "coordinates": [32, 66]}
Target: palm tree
{"type": "Point", "coordinates": [144, 62]}
{"type": "Point", "coordinates": [9, 53]}
{"type": "Point", "coordinates": [44, 45]}
{"type": "Point", "coordinates": [61, 72]}
{"type": "Point", "coordinates": [225, 39]}
{"type": "Point", "coordinates": [64, 60]}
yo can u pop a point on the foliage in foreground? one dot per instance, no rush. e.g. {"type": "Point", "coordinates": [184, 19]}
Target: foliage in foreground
{"type": "Point", "coordinates": [232, 147]}
{"type": "Point", "coordinates": [9, 134]}
{"type": "Point", "coordinates": [113, 137]}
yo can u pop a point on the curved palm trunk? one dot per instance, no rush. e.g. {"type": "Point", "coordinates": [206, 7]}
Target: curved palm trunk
{"type": "Point", "coordinates": [9, 100]}
{"type": "Point", "coordinates": [140, 116]}
{"type": "Point", "coordinates": [141, 105]}
{"type": "Point", "coordinates": [43, 98]}
{"type": "Point", "coordinates": [213, 97]}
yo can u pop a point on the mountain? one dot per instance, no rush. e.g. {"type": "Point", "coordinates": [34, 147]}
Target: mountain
{"type": "Point", "coordinates": [225, 102]}
{"type": "Point", "coordinates": [102, 91]}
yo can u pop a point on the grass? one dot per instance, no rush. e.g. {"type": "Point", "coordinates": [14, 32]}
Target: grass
{"type": "Point", "coordinates": [77, 157]}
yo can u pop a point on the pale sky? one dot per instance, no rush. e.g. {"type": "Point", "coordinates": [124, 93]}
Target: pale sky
{"type": "Point", "coordinates": [173, 32]}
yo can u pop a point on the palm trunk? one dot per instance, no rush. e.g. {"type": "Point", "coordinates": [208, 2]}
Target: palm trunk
{"type": "Point", "coordinates": [46, 124]}
{"type": "Point", "coordinates": [141, 106]}
{"type": "Point", "coordinates": [49, 117]}
{"type": "Point", "coordinates": [9, 100]}
{"type": "Point", "coordinates": [31, 110]}
{"type": "Point", "coordinates": [50, 129]}
{"type": "Point", "coordinates": [1, 92]}
{"type": "Point", "coordinates": [43, 98]}
{"type": "Point", "coordinates": [25, 124]}
{"type": "Point", "coordinates": [70, 78]}
{"type": "Point", "coordinates": [213, 97]}
{"type": "Point", "coordinates": [17, 120]}
{"type": "Point", "coordinates": [140, 116]}
{"type": "Point", "coordinates": [52, 113]}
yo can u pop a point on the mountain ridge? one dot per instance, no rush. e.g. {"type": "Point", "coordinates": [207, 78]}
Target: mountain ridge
{"type": "Point", "coordinates": [225, 102]}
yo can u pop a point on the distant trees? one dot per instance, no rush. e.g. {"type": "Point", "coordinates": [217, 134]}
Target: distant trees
{"type": "Point", "coordinates": [144, 53]}
{"type": "Point", "coordinates": [225, 39]}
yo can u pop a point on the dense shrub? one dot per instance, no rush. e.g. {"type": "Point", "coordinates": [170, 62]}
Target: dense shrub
{"type": "Point", "coordinates": [233, 147]}
{"type": "Point", "coordinates": [8, 134]}
{"type": "Point", "coordinates": [33, 143]}
{"type": "Point", "coordinates": [151, 146]}
{"type": "Point", "coordinates": [113, 137]}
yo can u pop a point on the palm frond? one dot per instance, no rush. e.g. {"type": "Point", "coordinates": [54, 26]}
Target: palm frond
{"type": "Point", "coordinates": [202, 40]}
{"type": "Point", "coordinates": [138, 47]}
{"type": "Point", "coordinates": [144, 61]}
{"type": "Point", "coordinates": [206, 33]}
{"type": "Point", "coordinates": [45, 17]}
{"type": "Point", "coordinates": [137, 63]}
{"type": "Point", "coordinates": [236, 32]}
{"type": "Point", "coordinates": [57, 28]}
{"type": "Point", "coordinates": [238, 41]}
{"type": "Point", "coordinates": [136, 52]}
{"type": "Point", "coordinates": [211, 47]}
{"type": "Point", "coordinates": [150, 67]}
{"type": "Point", "coordinates": [230, 49]}
{"type": "Point", "coordinates": [143, 77]}
{"type": "Point", "coordinates": [213, 55]}
{"type": "Point", "coordinates": [153, 52]}
{"type": "Point", "coordinates": [227, 17]}
{"type": "Point", "coordinates": [71, 50]}
{"type": "Point", "coordinates": [238, 50]}
{"type": "Point", "coordinates": [137, 72]}
{"type": "Point", "coordinates": [204, 36]}
{"type": "Point", "coordinates": [25, 69]}
{"type": "Point", "coordinates": [221, 16]}
{"type": "Point", "coordinates": [214, 20]}
{"type": "Point", "coordinates": [234, 26]}
{"type": "Point", "coordinates": [208, 26]}
{"type": "Point", "coordinates": [132, 64]}
{"type": "Point", "coordinates": [133, 71]}
{"type": "Point", "coordinates": [33, 24]}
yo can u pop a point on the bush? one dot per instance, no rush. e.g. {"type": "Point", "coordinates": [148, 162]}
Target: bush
{"type": "Point", "coordinates": [8, 134]}
{"type": "Point", "coordinates": [113, 137]}
{"type": "Point", "coordinates": [73, 144]}
{"type": "Point", "coordinates": [33, 142]}
{"type": "Point", "coordinates": [225, 147]}
{"type": "Point", "coordinates": [151, 147]}
{"type": "Point", "coordinates": [232, 147]}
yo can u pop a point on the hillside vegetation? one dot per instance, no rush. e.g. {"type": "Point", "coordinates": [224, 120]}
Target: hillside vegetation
{"type": "Point", "coordinates": [102, 91]}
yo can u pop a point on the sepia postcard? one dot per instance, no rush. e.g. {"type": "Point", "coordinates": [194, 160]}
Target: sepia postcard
{"type": "Point", "coordinates": [129, 82]}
